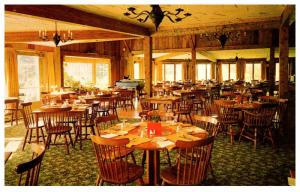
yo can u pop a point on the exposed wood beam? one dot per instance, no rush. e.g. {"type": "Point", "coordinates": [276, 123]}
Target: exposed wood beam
{"type": "Point", "coordinates": [71, 15]}
{"type": "Point", "coordinates": [288, 15]}
{"type": "Point", "coordinates": [19, 37]}
{"type": "Point", "coordinates": [126, 45]}
{"type": "Point", "coordinates": [164, 57]}
{"type": "Point", "coordinates": [207, 55]}
{"type": "Point", "coordinates": [138, 52]}
{"type": "Point", "coordinates": [272, 24]}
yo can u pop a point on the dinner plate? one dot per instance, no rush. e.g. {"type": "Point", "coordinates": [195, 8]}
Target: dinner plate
{"type": "Point", "coordinates": [157, 139]}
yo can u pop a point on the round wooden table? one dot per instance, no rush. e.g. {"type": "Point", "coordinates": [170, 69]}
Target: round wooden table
{"type": "Point", "coordinates": [153, 149]}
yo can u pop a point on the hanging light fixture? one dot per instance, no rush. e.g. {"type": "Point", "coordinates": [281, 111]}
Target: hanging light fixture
{"type": "Point", "coordinates": [57, 38]}
{"type": "Point", "coordinates": [156, 15]}
{"type": "Point", "coordinates": [223, 36]}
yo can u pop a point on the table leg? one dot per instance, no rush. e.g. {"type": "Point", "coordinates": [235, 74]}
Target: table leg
{"type": "Point", "coordinates": [153, 167]}
{"type": "Point", "coordinates": [37, 128]}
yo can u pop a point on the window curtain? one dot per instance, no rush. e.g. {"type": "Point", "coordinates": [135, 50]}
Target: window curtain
{"type": "Point", "coordinates": [11, 73]}
{"type": "Point", "coordinates": [159, 71]}
{"type": "Point", "coordinates": [220, 77]}
{"type": "Point", "coordinates": [263, 70]}
{"type": "Point", "coordinates": [238, 70]}
{"type": "Point", "coordinates": [212, 70]}
{"type": "Point", "coordinates": [243, 69]}
{"type": "Point", "coordinates": [142, 70]}
{"type": "Point", "coordinates": [130, 68]}
{"type": "Point", "coordinates": [47, 72]}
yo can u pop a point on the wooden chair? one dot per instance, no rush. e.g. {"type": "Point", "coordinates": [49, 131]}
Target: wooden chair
{"type": "Point", "coordinates": [87, 122]}
{"type": "Point", "coordinates": [31, 169]}
{"type": "Point", "coordinates": [30, 123]}
{"type": "Point", "coordinates": [257, 123]}
{"type": "Point", "coordinates": [198, 101]}
{"type": "Point", "coordinates": [12, 107]}
{"type": "Point", "coordinates": [210, 124]}
{"type": "Point", "coordinates": [104, 122]}
{"type": "Point", "coordinates": [56, 122]}
{"type": "Point", "coordinates": [113, 164]}
{"type": "Point", "coordinates": [113, 104]}
{"type": "Point", "coordinates": [146, 107]}
{"type": "Point", "coordinates": [103, 108]}
{"type": "Point", "coordinates": [193, 158]}
{"type": "Point", "coordinates": [227, 117]}
{"type": "Point", "coordinates": [185, 108]}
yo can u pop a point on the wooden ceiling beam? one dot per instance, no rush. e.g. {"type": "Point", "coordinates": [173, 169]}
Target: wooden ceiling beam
{"type": "Point", "coordinates": [273, 24]}
{"type": "Point", "coordinates": [288, 15]}
{"type": "Point", "coordinates": [23, 37]}
{"type": "Point", "coordinates": [168, 56]}
{"type": "Point", "coordinates": [71, 15]}
{"type": "Point", "coordinates": [207, 55]}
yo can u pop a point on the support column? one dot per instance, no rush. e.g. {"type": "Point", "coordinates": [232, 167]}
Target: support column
{"type": "Point", "coordinates": [148, 64]}
{"type": "Point", "coordinates": [213, 70]}
{"type": "Point", "coordinates": [58, 67]}
{"type": "Point", "coordinates": [192, 66]}
{"type": "Point", "coordinates": [283, 61]}
{"type": "Point", "coordinates": [272, 69]}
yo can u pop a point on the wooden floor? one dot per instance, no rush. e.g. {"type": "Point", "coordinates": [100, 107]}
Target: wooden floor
{"type": "Point", "coordinates": [130, 113]}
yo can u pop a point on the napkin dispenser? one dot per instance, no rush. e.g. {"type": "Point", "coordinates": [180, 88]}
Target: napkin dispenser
{"type": "Point", "coordinates": [154, 128]}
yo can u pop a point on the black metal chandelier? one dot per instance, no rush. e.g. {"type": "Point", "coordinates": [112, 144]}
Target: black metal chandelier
{"type": "Point", "coordinates": [156, 15]}
{"type": "Point", "coordinates": [57, 38]}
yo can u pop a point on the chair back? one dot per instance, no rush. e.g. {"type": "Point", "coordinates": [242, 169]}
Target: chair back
{"type": "Point", "coordinates": [30, 170]}
{"type": "Point", "coordinates": [57, 118]}
{"type": "Point", "coordinates": [258, 120]}
{"type": "Point", "coordinates": [113, 166]}
{"type": "Point", "coordinates": [27, 115]}
{"type": "Point", "coordinates": [210, 124]}
{"type": "Point", "coordinates": [226, 111]}
{"type": "Point", "coordinates": [193, 160]}
{"type": "Point", "coordinates": [103, 122]}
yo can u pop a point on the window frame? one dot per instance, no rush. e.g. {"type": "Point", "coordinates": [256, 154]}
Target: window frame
{"type": "Point", "coordinates": [229, 70]}
{"type": "Point", "coordinates": [253, 71]}
{"type": "Point", "coordinates": [174, 67]}
{"type": "Point", "coordinates": [206, 74]}
{"type": "Point", "coordinates": [33, 54]}
{"type": "Point", "coordinates": [91, 60]}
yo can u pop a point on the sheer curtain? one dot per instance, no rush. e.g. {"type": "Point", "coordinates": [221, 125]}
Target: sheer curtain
{"type": "Point", "coordinates": [11, 73]}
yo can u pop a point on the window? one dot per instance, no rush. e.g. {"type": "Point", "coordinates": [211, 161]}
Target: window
{"type": "Point", "coordinates": [252, 71]}
{"type": "Point", "coordinates": [29, 78]}
{"type": "Point", "coordinates": [86, 71]}
{"type": "Point", "coordinates": [136, 70]}
{"type": "Point", "coordinates": [228, 71]}
{"type": "Point", "coordinates": [277, 72]}
{"type": "Point", "coordinates": [172, 72]}
{"type": "Point", "coordinates": [203, 71]}
{"type": "Point", "coordinates": [102, 75]}
{"type": "Point", "coordinates": [81, 72]}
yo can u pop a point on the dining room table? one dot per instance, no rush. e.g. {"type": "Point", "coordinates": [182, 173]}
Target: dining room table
{"type": "Point", "coordinates": [164, 138]}
{"type": "Point", "coordinates": [83, 108]}
{"type": "Point", "coordinates": [164, 100]}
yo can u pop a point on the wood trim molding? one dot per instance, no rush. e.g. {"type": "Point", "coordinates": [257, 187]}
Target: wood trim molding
{"type": "Point", "coordinates": [71, 15]}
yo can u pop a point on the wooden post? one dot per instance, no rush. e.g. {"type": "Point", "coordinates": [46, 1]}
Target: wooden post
{"type": "Point", "coordinates": [58, 67]}
{"type": "Point", "coordinates": [148, 64]}
{"type": "Point", "coordinates": [193, 65]}
{"type": "Point", "coordinates": [283, 61]}
{"type": "Point", "coordinates": [272, 68]}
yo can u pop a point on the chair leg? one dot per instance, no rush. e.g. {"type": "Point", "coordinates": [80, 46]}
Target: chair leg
{"type": "Point", "coordinates": [133, 158]}
{"type": "Point", "coordinates": [30, 135]}
{"type": "Point", "coordinates": [144, 158]}
{"type": "Point", "coordinates": [71, 141]}
{"type": "Point", "coordinates": [169, 159]}
{"type": "Point", "coordinates": [191, 118]}
{"type": "Point", "coordinates": [255, 137]}
{"type": "Point", "coordinates": [66, 142]}
{"type": "Point", "coordinates": [43, 136]}
{"type": "Point", "coordinates": [25, 139]}
{"type": "Point", "coordinates": [231, 134]}
{"type": "Point", "coordinates": [98, 180]}
{"type": "Point", "coordinates": [241, 134]}
{"type": "Point", "coordinates": [48, 141]}
{"type": "Point", "coordinates": [141, 180]}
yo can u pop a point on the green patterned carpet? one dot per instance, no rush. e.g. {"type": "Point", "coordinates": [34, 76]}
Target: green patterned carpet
{"type": "Point", "coordinates": [234, 165]}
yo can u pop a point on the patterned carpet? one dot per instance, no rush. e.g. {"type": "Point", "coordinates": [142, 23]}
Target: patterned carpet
{"type": "Point", "coordinates": [234, 165]}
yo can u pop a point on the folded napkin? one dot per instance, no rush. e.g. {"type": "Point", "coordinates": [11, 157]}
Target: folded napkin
{"type": "Point", "coordinates": [109, 135]}
{"type": "Point", "coordinates": [182, 137]}
{"type": "Point", "coordinates": [164, 144]}
{"type": "Point", "coordinates": [135, 140]}
{"type": "Point", "coordinates": [193, 129]}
